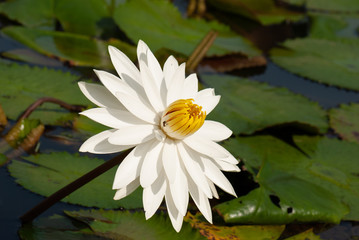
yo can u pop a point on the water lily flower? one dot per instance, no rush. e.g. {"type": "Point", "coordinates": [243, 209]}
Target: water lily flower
{"type": "Point", "coordinates": [160, 113]}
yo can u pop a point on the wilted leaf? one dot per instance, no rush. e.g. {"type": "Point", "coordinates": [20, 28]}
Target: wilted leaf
{"type": "Point", "coordinates": [264, 11]}
{"type": "Point", "coordinates": [161, 25]}
{"type": "Point", "coordinates": [242, 232]}
{"type": "Point", "coordinates": [46, 173]}
{"type": "Point", "coordinates": [333, 62]}
{"type": "Point", "coordinates": [321, 179]}
{"type": "Point", "coordinates": [78, 49]}
{"type": "Point", "coordinates": [101, 224]}
{"type": "Point", "coordinates": [30, 13]}
{"type": "Point", "coordinates": [3, 119]}
{"type": "Point", "coordinates": [22, 85]}
{"type": "Point", "coordinates": [344, 121]}
{"type": "Point", "coordinates": [248, 106]}
{"type": "Point", "coordinates": [20, 131]}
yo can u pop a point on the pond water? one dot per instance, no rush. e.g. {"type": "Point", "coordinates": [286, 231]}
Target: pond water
{"type": "Point", "coordinates": [15, 200]}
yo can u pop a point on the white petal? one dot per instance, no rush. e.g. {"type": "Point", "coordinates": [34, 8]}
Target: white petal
{"type": "Point", "coordinates": [169, 69]}
{"type": "Point", "coordinates": [200, 200]}
{"type": "Point", "coordinates": [207, 92]}
{"type": "Point", "coordinates": [137, 108]}
{"type": "Point", "coordinates": [153, 196]}
{"type": "Point", "coordinates": [216, 176]}
{"type": "Point", "coordinates": [130, 167]}
{"type": "Point", "coordinates": [127, 190]}
{"type": "Point", "coordinates": [142, 51]}
{"type": "Point", "coordinates": [135, 134]}
{"type": "Point", "coordinates": [214, 131]}
{"type": "Point", "coordinates": [170, 160]}
{"type": "Point", "coordinates": [152, 88]}
{"type": "Point", "coordinates": [190, 86]}
{"type": "Point", "coordinates": [176, 88]}
{"type": "Point", "coordinates": [193, 168]}
{"type": "Point", "coordinates": [213, 189]}
{"type": "Point", "coordinates": [99, 144]}
{"type": "Point", "coordinates": [206, 147]}
{"type": "Point", "coordinates": [123, 65]}
{"type": "Point", "coordinates": [112, 118]}
{"type": "Point", "coordinates": [225, 166]}
{"type": "Point", "coordinates": [208, 103]}
{"type": "Point", "coordinates": [152, 164]}
{"type": "Point", "coordinates": [154, 67]}
{"type": "Point", "coordinates": [175, 215]}
{"type": "Point", "coordinates": [99, 95]}
{"type": "Point", "coordinates": [179, 191]}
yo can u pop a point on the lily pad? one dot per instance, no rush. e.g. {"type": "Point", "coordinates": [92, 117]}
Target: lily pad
{"type": "Point", "coordinates": [344, 121]}
{"type": "Point", "coordinates": [264, 11]}
{"type": "Point", "coordinates": [328, 5]}
{"type": "Point", "coordinates": [22, 85]}
{"type": "Point", "coordinates": [333, 62]}
{"type": "Point", "coordinates": [82, 16]}
{"type": "Point", "coordinates": [248, 106]}
{"type": "Point", "coordinates": [241, 232]}
{"type": "Point", "coordinates": [319, 181]}
{"type": "Point", "coordinates": [100, 224]}
{"type": "Point", "coordinates": [160, 25]}
{"type": "Point", "coordinates": [77, 49]}
{"type": "Point", "coordinates": [46, 173]}
{"type": "Point", "coordinates": [30, 13]}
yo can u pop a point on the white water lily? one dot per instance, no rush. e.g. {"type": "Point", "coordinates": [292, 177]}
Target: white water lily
{"type": "Point", "coordinates": [162, 114]}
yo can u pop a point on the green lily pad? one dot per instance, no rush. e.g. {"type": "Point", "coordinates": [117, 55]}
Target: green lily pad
{"type": "Point", "coordinates": [101, 224]}
{"type": "Point", "coordinates": [248, 106]}
{"type": "Point", "coordinates": [328, 5]}
{"type": "Point", "coordinates": [77, 49]}
{"type": "Point", "coordinates": [264, 11]}
{"type": "Point", "coordinates": [241, 232]}
{"type": "Point", "coordinates": [344, 121]}
{"type": "Point", "coordinates": [160, 25]}
{"type": "Point", "coordinates": [46, 173]}
{"type": "Point", "coordinates": [333, 26]}
{"type": "Point", "coordinates": [82, 16]}
{"type": "Point", "coordinates": [30, 13]}
{"type": "Point", "coordinates": [333, 62]}
{"type": "Point", "coordinates": [22, 85]}
{"type": "Point", "coordinates": [31, 56]}
{"type": "Point", "coordinates": [317, 182]}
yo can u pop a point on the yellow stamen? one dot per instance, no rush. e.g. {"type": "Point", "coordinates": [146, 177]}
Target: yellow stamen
{"type": "Point", "coordinates": [182, 118]}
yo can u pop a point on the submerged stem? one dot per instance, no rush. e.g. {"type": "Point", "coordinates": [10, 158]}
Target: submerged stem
{"type": "Point", "coordinates": [40, 101]}
{"type": "Point", "coordinates": [71, 187]}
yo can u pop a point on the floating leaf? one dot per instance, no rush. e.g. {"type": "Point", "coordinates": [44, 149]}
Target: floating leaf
{"type": "Point", "coordinates": [247, 106]}
{"type": "Point", "coordinates": [321, 178]}
{"type": "Point", "coordinates": [3, 159]}
{"type": "Point", "coordinates": [344, 121]}
{"type": "Point", "coordinates": [161, 25]}
{"type": "Point", "coordinates": [22, 85]}
{"type": "Point", "coordinates": [30, 56]}
{"type": "Point", "coordinates": [264, 11]}
{"type": "Point", "coordinates": [326, 61]}
{"type": "Point", "coordinates": [78, 49]}
{"type": "Point", "coordinates": [307, 235]}
{"type": "Point", "coordinates": [245, 232]}
{"type": "Point", "coordinates": [101, 224]}
{"type": "Point", "coordinates": [46, 173]}
{"type": "Point", "coordinates": [328, 5]}
{"type": "Point", "coordinates": [30, 13]}
{"type": "Point", "coordinates": [82, 16]}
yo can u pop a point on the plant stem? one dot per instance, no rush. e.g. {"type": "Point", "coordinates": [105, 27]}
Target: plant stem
{"type": "Point", "coordinates": [40, 101]}
{"type": "Point", "coordinates": [73, 186]}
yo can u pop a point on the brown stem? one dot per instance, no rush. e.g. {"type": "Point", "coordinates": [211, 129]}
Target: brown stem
{"type": "Point", "coordinates": [73, 186]}
{"type": "Point", "coordinates": [200, 51]}
{"type": "Point", "coordinates": [40, 101]}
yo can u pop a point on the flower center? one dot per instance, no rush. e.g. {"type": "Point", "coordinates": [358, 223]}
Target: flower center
{"type": "Point", "coordinates": [182, 118]}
